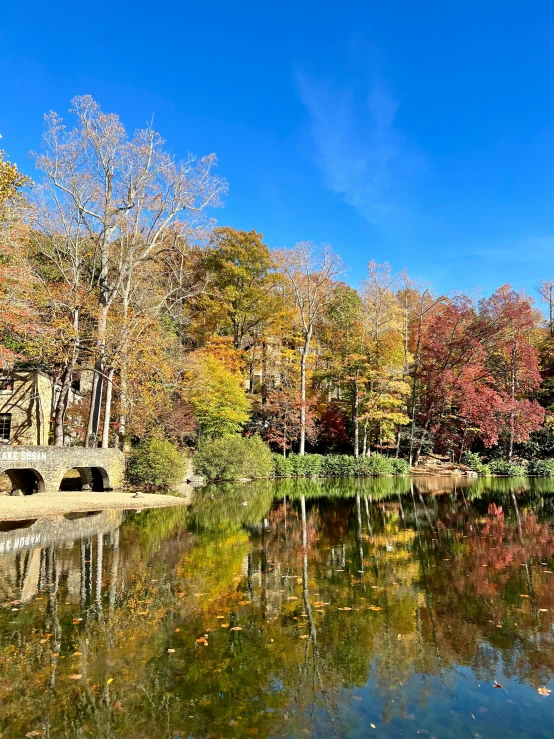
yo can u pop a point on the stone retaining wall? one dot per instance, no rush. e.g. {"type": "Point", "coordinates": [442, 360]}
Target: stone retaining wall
{"type": "Point", "coordinates": [42, 468]}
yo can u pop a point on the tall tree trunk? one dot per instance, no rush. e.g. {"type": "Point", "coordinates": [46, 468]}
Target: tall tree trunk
{"type": "Point", "coordinates": [98, 380]}
{"type": "Point", "coordinates": [63, 398]}
{"type": "Point", "coordinates": [303, 363]}
{"type": "Point", "coordinates": [355, 420]}
{"type": "Point", "coordinates": [107, 410]}
{"type": "Point", "coordinates": [61, 408]}
{"type": "Point", "coordinates": [414, 387]}
{"type": "Point", "coordinates": [513, 397]}
{"type": "Point", "coordinates": [123, 375]}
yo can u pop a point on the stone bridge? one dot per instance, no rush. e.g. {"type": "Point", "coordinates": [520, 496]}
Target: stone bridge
{"type": "Point", "coordinates": [41, 469]}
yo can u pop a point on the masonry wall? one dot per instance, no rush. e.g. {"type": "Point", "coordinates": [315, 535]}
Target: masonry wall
{"type": "Point", "coordinates": [52, 463]}
{"type": "Point", "coordinates": [30, 404]}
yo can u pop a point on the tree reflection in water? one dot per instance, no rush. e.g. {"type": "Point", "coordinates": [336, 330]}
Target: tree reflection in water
{"type": "Point", "coordinates": [301, 608]}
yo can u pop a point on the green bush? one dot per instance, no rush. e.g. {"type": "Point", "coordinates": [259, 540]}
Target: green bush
{"type": "Point", "coordinates": [377, 465]}
{"type": "Point", "coordinates": [400, 466]}
{"type": "Point", "coordinates": [233, 458]}
{"type": "Point", "coordinates": [337, 465]}
{"type": "Point", "coordinates": [475, 463]}
{"type": "Point", "coordinates": [541, 467]}
{"type": "Point", "coordinates": [308, 465]}
{"type": "Point", "coordinates": [282, 466]}
{"type": "Point", "coordinates": [506, 469]}
{"type": "Point", "coordinates": [156, 463]}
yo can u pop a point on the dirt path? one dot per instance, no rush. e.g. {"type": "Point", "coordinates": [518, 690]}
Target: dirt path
{"type": "Point", "coordinates": [35, 506]}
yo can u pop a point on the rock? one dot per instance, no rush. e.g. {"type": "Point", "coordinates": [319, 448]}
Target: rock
{"type": "Point", "coordinates": [17, 491]}
{"type": "Point", "coordinates": [138, 494]}
{"type": "Point", "coordinates": [86, 488]}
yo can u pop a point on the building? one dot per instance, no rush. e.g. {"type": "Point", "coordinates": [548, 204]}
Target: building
{"type": "Point", "coordinates": [25, 408]}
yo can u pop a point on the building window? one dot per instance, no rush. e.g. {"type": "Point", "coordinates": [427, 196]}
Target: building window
{"type": "Point", "coordinates": [5, 426]}
{"type": "Point", "coordinates": [6, 383]}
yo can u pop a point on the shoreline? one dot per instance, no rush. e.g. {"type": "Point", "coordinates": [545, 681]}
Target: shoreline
{"type": "Point", "coordinates": [19, 508]}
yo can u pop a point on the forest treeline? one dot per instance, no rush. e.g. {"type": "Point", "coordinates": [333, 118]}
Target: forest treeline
{"type": "Point", "coordinates": [153, 320]}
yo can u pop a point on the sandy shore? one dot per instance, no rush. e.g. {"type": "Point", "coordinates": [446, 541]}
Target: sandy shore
{"type": "Point", "coordinates": [35, 506]}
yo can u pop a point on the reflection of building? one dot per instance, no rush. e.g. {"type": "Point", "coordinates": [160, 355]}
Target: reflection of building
{"type": "Point", "coordinates": [26, 553]}
{"type": "Point", "coordinates": [25, 408]}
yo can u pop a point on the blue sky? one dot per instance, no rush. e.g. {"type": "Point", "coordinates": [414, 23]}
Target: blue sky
{"type": "Point", "coordinates": [421, 134]}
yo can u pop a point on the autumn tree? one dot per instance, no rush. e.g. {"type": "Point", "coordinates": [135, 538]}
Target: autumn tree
{"type": "Point", "coordinates": [18, 319]}
{"type": "Point", "coordinates": [129, 197]}
{"type": "Point", "coordinates": [309, 273]}
{"type": "Point", "coordinates": [243, 281]}
{"type": "Point", "coordinates": [508, 319]}
{"type": "Point", "coordinates": [282, 419]}
{"type": "Point", "coordinates": [386, 388]}
{"type": "Point", "coordinates": [216, 394]}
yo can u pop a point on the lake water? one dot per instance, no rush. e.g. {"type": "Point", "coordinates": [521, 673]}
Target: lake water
{"type": "Point", "coordinates": [337, 608]}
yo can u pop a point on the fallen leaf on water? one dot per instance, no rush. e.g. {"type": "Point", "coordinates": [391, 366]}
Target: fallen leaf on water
{"type": "Point", "coordinates": [109, 680]}
{"type": "Point", "coordinates": [177, 630]}
{"type": "Point", "coordinates": [76, 654]}
{"type": "Point", "coordinates": [544, 691]}
{"type": "Point", "coordinates": [118, 705]}
{"type": "Point", "coordinates": [75, 677]}
{"type": "Point", "coordinates": [220, 616]}
{"type": "Point", "coordinates": [497, 685]}
{"type": "Point", "coordinates": [304, 636]}
{"type": "Point", "coordinates": [292, 597]}
{"type": "Point", "coordinates": [543, 610]}
{"type": "Point", "coordinates": [170, 651]}
{"type": "Point", "coordinates": [77, 620]}
{"type": "Point", "coordinates": [523, 596]}
{"type": "Point", "coordinates": [224, 626]}
{"type": "Point", "coordinates": [400, 637]}
{"type": "Point", "coordinates": [34, 733]}
{"type": "Point", "coordinates": [202, 640]}
{"type": "Point", "coordinates": [372, 726]}
{"type": "Point", "coordinates": [375, 608]}
{"type": "Point", "coordinates": [236, 628]}
{"type": "Point", "coordinates": [244, 602]}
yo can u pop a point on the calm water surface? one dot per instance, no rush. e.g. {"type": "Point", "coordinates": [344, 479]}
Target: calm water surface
{"type": "Point", "coordinates": [339, 608]}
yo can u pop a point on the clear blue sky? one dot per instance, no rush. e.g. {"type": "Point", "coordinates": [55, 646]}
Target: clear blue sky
{"type": "Point", "coordinates": [418, 133]}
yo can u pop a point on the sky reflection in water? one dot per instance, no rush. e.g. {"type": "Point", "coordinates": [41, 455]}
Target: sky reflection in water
{"type": "Point", "coordinates": [345, 608]}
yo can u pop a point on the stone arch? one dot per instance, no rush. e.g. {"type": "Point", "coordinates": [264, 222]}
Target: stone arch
{"type": "Point", "coordinates": [88, 478]}
{"type": "Point", "coordinates": [29, 481]}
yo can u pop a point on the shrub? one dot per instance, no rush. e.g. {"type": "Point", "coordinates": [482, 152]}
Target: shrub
{"type": "Point", "coordinates": [282, 466]}
{"type": "Point", "coordinates": [337, 465]}
{"type": "Point", "coordinates": [156, 463]}
{"type": "Point", "coordinates": [379, 465]}
{"type": "Point", "coordinates": [308, 465]}
{"type": "Point", "coordinates": [506, 469]}
{"type": "Point", "coordinates": [541, 467]}
{"type": "Point", "coordinates": [475, 463]}
{"type": "Point", "coordinates": [400, 466]}
{"type": "Point", "coordinates": [233, 458]}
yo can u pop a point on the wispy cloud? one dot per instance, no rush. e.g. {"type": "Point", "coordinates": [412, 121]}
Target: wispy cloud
{"type": "Point", "coordinates": [358, 147]}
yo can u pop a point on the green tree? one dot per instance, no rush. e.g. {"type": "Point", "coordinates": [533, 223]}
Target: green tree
{"type": "Point", "coordinates": [217, 396]}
